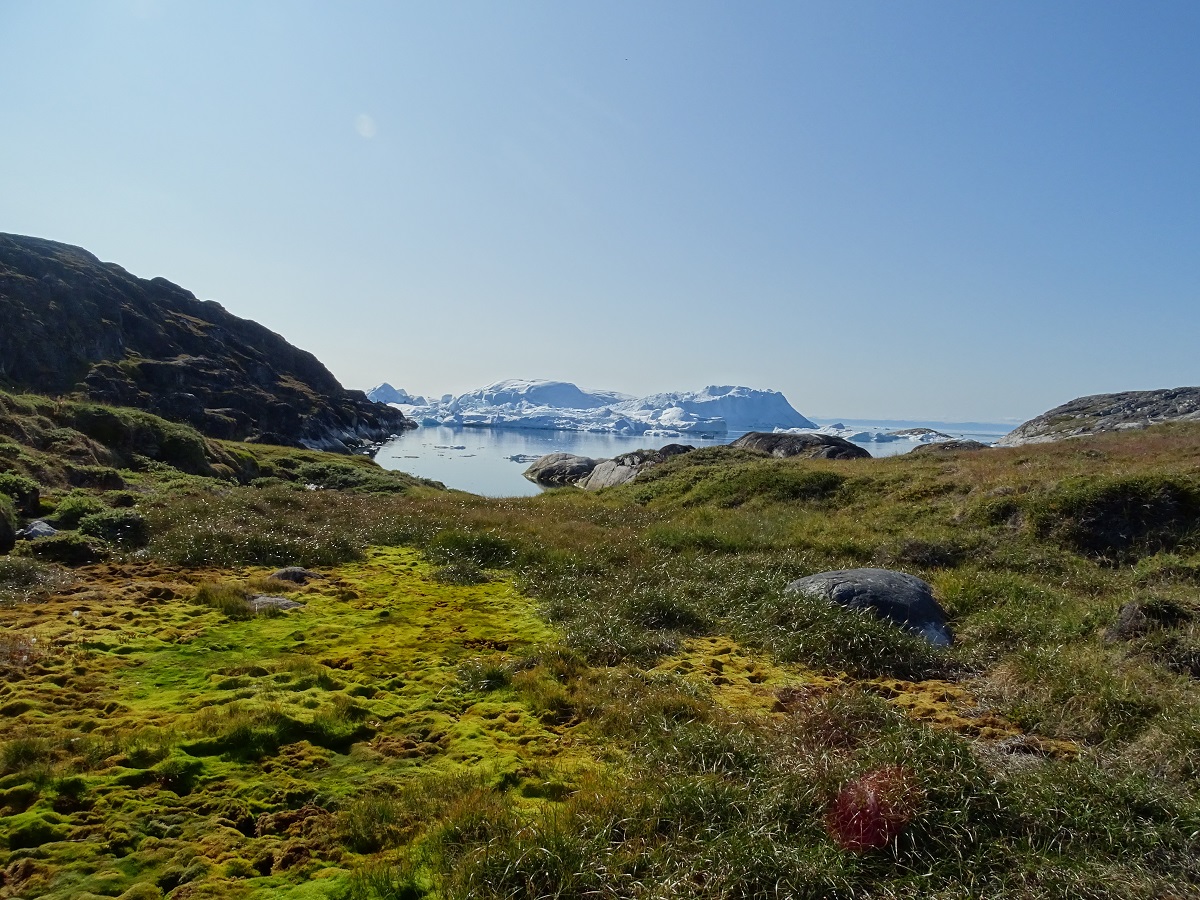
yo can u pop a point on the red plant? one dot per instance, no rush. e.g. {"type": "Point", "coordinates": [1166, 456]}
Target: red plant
{"type": "Point", "coordinates": [874, 809]}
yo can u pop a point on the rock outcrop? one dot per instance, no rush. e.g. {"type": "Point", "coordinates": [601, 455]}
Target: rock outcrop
{"type": "Point", "coordinates": [73, 325]}
{"type": "Point", "coordinates": [626, 467]}
{"type": "Point", "coordinates": [895, 597]}
{"type": "Point", "coordinates": [557, 469]}
{"type": "Point", "coordinates": [806, 445]}
{"type": "Point", "coordinates": [1108, 412]}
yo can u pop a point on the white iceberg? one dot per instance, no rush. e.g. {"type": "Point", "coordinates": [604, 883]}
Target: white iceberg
{"type": "Point", "coordinates": [562, 406]}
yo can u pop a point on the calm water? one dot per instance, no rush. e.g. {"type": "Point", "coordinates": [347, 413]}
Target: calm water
{"type": "Point", "coordinates": [481, 460]}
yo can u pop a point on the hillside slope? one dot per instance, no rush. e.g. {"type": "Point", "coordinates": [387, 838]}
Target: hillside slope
{"type": "Point", "coordinates": [74, 325]}
{"type": "Point", "coordinates": [1108, 412]}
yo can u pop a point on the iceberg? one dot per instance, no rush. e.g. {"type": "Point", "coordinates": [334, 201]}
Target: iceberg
{"type": "Point", "coordinates": [873, 435]}
{"type": "Point", "coordinates": [561, 406]}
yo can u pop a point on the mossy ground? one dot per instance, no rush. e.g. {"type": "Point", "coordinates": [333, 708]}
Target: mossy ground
{"type": "Point", "coordinates": [164, 743]}
{"type": "Point", "coordinates": [605, 695]}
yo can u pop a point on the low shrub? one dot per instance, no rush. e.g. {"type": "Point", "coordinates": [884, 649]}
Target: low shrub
{"type": "Point", "coordinates": [232, 600]}
{"type": "Point", "coordinates": [73, 507]}
{"type": "Point", "coordinates": [24, 492]}
{"type": "Point", "coordinates": [23, 578]}
{"type": "Point", "coordinates": [67, 548]}
{"type": "Point", "coordinates": [118, 526]}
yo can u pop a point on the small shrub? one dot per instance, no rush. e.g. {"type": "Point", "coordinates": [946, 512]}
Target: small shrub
{"type": "Point", "coordinates": [1119, 519]}
{"type": "Point", "coordinates": [873, 810]}
{"type": "Point", "coordinates": [22, 752]}
{"type": "Point", "coordinates": [23, 578]}
{"type": "Point", "coordinates": [372, 823]}
{"type": "Point", "coordinates": [24, 492]}
{"type": "Point", "coordinates": [460, 573]}
{"type": "Point", "coordinates": [381, 880]}
{"type": "Point", "coordinates": [483, 675]}
{"type": "Point", "coordinates": [98, 477]}
{"type": "Point", "coordinates": [73, 507]}
{"type": "Point", "coordinates": [485, 550]}
{"type": "Point", "coordinates": [66, 548]}
{"type": "Point", "coordinates": [232, 600]}
{"type": "Point", "coordinates": [17, 651]}
{"type": "Point", "coordinates": [118, 526]}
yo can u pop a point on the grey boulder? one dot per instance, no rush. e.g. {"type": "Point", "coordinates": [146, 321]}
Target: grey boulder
{"type": "Point", "coordinates": [626, 467]}
{"type": "Point", "coordinates": [260, 602]}
{"type": "Point", "coordinates": [555, 469]}
{"type": "Point", "coordinates": [808, 446]}
{"type": "Point", "coordinates": [37, 529]}
{"type": "Point", "coordinates": [895, 597]}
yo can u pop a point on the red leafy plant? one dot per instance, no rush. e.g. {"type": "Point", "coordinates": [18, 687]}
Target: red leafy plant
{"type": "Point", "coordinates": [873, 809]}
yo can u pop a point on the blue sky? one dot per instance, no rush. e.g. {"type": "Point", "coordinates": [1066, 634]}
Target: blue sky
{"type": "Point", "coordinates": [907, 210]}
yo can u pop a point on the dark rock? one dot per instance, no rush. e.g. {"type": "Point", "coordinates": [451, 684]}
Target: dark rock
{"type": "Point", "coordinates": [295, 574]}
{"type": "Point", "coordinates": [557, 469]}
{"type": "Point", "coordinates": [79, 327]}
{"type": "Point", "coordinates": [808, 446]}
{"type": "Point", "coordinates": [952, 446]}
{"type": "Point", "coordinates": [260, 602]}
{"type": "Point", "coordinates": [1108, 412]}
{"type": "Point", "coordinates": [895, 597]}
{"type": "Point", "coordinates": [1137, 619]}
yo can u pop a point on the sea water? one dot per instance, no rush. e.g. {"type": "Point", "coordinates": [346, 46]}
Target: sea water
{"type": "Point", "coordinates": [490, 461]}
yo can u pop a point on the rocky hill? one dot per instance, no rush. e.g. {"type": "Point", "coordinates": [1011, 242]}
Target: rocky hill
{"type": "Point", "coordinates": [76, 326]}
{"type": "Point", "coordinates": [1108, 412]}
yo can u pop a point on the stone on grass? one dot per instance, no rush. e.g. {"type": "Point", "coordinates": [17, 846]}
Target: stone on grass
{"type": "Point", "coordinates": [294, 574]}
{"type": "Point", "coordinates": [260, 602]}
{"type": "Point", "coordinates": [895, 597]}
{"type": "Point", "coordinates": [37, 529]}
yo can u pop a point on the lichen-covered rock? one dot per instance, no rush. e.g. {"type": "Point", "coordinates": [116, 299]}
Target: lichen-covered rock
{"type": "Point", "coordinates": [895, 597]}
{"type": "Point", "coordinates": [1108, 412]}
{"type": "Point", "coordinates": [808, 446]}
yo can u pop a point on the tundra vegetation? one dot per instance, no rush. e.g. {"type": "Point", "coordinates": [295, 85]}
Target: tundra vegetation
{"type": "Point", "coordinates": [592, 694]}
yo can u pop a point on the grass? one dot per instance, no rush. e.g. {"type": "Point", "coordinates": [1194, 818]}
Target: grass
{"type": "Point", "coordinates": [606, 694]}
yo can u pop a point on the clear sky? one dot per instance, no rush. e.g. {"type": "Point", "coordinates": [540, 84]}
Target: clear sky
{"type": "Point", "coordinates": [934, 210]}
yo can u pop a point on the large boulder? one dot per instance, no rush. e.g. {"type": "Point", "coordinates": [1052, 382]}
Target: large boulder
{"type": "Point", "coordinates": [626, 467]}
{"type": "Point", "coordinates": [557, 469]}
{"type": "Point", "coordinates": [1108, 412]}
{"type": "Point", "coordinates": [895, 597]}
{"type": "Point", "coordinates": [807, 446]}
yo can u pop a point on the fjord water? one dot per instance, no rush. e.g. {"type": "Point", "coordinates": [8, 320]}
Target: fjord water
{"type": "Point", "coordinates": [489, 461]}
